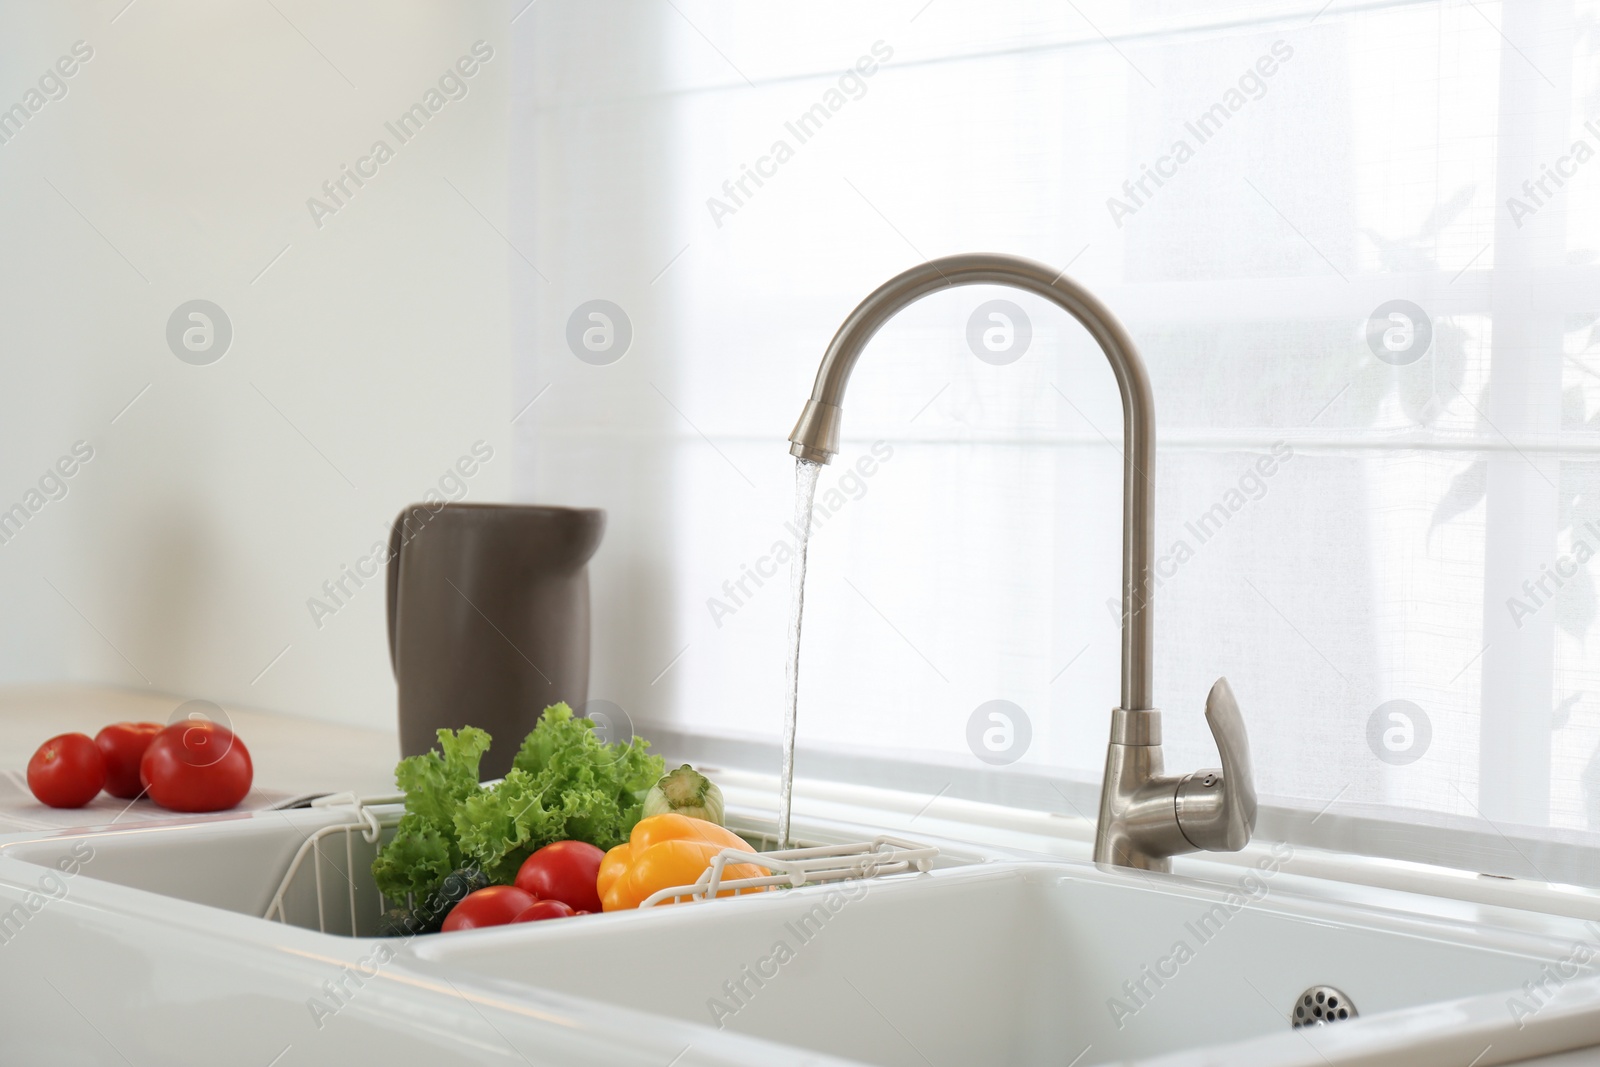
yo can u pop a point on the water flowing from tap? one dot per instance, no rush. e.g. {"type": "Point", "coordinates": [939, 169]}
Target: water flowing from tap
{"type": "Point", "coordinates": [806, 474]}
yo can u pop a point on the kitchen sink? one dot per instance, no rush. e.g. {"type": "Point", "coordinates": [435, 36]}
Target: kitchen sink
{"type": "Point", "coordinates": [1033, 963]}
{"type": "Point", "coordinates": [992, 957]}
{"type": "Point", "coordinates": [320, 856]}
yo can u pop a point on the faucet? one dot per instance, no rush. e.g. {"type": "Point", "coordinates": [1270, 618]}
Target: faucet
{"type": "Point", "coordinates": [1146, 816]}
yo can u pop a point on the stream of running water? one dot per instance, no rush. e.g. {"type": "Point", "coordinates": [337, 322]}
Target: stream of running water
{"type": "Point", "coordinates": [806, 474]}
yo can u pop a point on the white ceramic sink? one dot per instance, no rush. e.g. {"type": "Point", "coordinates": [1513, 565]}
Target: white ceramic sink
{"type": "Point", "coordinates": [155, 947]}
{"type": "Point", "coordinates": [1021, 963]}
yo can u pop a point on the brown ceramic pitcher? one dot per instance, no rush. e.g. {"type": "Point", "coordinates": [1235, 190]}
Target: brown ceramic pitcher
{"type": "Point", "coordinates": [488, 619]}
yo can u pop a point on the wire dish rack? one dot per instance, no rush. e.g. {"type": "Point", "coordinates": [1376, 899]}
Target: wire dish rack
{"type": "Point", "coordinates": [333, 887]}
{"type": "Point", "coordinates": [328, 884]}
{"type": "Point", "coordinates": [795, 867]}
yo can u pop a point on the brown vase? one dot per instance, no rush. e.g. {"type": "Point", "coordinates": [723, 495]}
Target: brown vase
{"type": "Point", "coordinates": [488, 619]}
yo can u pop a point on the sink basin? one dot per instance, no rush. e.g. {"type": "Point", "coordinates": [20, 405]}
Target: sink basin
{"type": "Point", "coordinates": [993, 957]}
{"type": "Point", "coordinates": [1023, 963]}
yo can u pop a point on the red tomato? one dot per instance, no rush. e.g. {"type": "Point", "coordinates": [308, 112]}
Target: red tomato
{"type": "Point", "coordinates": [544, 909]}
{"type": "Point", "coordinates": [565, 871]}
{"type": "Point", "coordinates": [123, 744]}
{"type": "Point", "coordinates": [67, 771]}
{"type": "Point", "coordinates": [196, 766]}
{"type": "Point", "coordinates": [493, 906]}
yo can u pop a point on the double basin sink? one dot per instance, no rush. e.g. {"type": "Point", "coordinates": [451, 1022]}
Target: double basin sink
{"type": "Point", "coordinates": [146, 944]}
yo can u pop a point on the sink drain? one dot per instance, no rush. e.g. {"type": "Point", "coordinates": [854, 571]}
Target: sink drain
{"type": "Point", "coordinates": [1321, 1005]}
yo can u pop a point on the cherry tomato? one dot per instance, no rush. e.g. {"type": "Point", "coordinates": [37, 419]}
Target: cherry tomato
{"type": "Point", "coordinates": [67, 771]}
{"type": "Point", "coordinates": [566, 871]}
{"type": "Point", "coordinates": [123, 744]}
{"type": "Point", "coordinates": [544, 909]}
{"type": "Point", "coordinates": [196, 765]}
{"type": "Point", "coordinates": [494, 906]}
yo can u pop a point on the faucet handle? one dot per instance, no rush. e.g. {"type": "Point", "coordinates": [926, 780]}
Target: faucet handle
{"type": "Point", "coordinates": [1217, 808]}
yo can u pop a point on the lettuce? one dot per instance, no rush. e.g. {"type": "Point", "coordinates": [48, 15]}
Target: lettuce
{"type": "Point", "coordinates": [424, 848]}
{"type": "Point", "coordinates": [565, 784]}
{"type": "Point", "coordinates": [415, 863]}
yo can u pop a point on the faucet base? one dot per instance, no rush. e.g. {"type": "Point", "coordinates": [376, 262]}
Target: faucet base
{"type": "Point", "coordinates": [1147, 817]}
{"type": "Point", "coordinates": [1137, 827]}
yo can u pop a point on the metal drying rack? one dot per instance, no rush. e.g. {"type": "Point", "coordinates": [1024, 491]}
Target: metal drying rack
{"type": "Point", "coordinates": [370, 816]}
{"type": "Point", "coordinates": [795, 867]}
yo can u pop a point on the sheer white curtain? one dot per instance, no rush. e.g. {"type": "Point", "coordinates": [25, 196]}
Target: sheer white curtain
{"type": "Point", "coordinates": [1356, 246]}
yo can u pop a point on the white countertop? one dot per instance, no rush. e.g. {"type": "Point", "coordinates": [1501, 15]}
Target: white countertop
{"type": "Point", "coordinates": [290, 755]}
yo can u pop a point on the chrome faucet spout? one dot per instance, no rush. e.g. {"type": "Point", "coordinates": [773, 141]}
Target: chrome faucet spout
{"type": "Point", "coordinates": [1139, 810]}
{"type": "Point", "coordinates": [816, 435]}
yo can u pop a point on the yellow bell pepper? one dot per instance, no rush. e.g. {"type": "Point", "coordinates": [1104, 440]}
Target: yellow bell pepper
{"type": "Point", "coordinates": [670, 826]}
{"type": "Point", "coordinates": [664, 851]}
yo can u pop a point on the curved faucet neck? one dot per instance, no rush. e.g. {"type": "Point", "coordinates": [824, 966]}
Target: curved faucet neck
{"type": "Point", "coordinates": [816, 435]}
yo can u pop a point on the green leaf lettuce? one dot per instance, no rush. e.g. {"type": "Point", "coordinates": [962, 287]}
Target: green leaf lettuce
{"type": "Point", "coordinates": [565, 784]}
{"type": "Point", "coordinates": [424, 848]}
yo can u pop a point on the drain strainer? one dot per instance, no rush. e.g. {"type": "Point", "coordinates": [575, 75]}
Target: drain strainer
{"type": "Point", "coordinates": [1321, 1005]}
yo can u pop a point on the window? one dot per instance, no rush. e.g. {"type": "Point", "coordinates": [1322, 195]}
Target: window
{"type": "Point", "coordinates": [1356, 247]}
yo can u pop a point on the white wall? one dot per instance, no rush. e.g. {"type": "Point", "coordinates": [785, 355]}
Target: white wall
{"type": "Point", "coordinates": [368, 353]}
